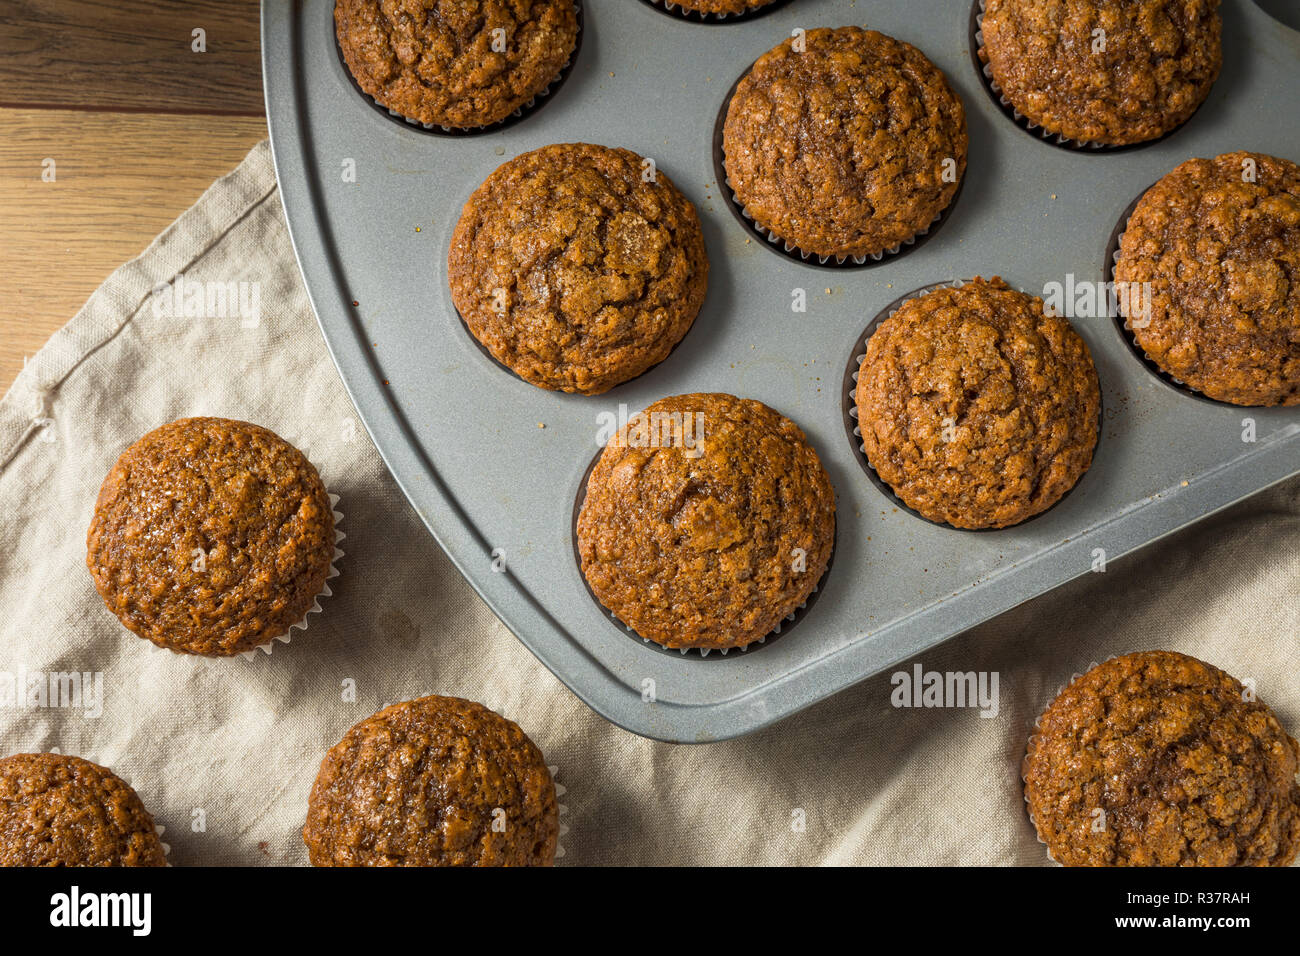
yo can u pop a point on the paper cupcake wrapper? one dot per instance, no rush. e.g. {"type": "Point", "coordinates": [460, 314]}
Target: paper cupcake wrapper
{"type": "Point", "coordinates": [561, 810]}
{"type": "Point", "coordinates": [441, 129]}
{"type": "Point", "coordinates": [682, 12]}
{"type": "Point", "coordinates": [782, 627]}
{"type": "Point", "coordinates": [854, 430]}
{"type": "Point", "coordinates": [158, 828]}
{"type": "Point", "coordinates": [1023, 121]}
{"type": "Point", "coordinates": [269, 645]}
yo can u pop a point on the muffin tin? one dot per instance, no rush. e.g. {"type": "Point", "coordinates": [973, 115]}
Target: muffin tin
{"type": "Point", "coordinates": [466, 441]}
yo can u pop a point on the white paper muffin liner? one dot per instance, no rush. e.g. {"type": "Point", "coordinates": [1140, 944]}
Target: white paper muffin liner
{"type": "Point", "coordinates": [517, 114]}
{"type": "Point", "coordinates": [267, 646]}
{"type": "Point", "coordinates": [561, 809]}
{"type": "Point", "coordinates": [158, 828]}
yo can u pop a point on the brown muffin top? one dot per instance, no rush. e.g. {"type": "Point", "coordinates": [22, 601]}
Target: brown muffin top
{"type": "Point", "coordinates": [707, 520]}
{"type": "Point", "coordinates": [1144, 76]}
{"type": "Point", "coordinates": [211, 536]}
{"type": "Point", "coordinates": [727, 7]}
{"type": "Point", "coordinates": [437, 781]}
{"type": "Point", "coordinates": [978, 409]}
{"type": "Point", "coordinates": [1155, 759]}
{"type": "Point", "coordinates": [65, 811]}
{"type": "Point", "coordinates": [443, 62]}
{"type": "Point", "coordinates": [1222, 256]}
{"type": "Point", "coordinates": [841, 150]}
{"type": "Point", "coordinates": [574, 270]}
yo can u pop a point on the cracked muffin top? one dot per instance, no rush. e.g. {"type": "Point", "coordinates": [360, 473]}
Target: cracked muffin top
{"type": "Point", "coordinates": [453, 63]}
{"type": "Point", "coordinates": [707, 520]}
{"type": "Point", "coordinates": [578, 266]}
{"type": "Point", "coordinates": [1159, 759]}
{"type": "Point", "coordinates": [976, 407]}
{"type": "Point", "coordinates": [211, 536]}
{"type": "Point", "coordinates": [437, 781]}
{"type": "Point", "coordinates": [58, 810]}
{"type": "Point", "coordinates": [1219, 242]}
{"type": "Point", "coordinates": [1103, 71]}
{"type": "Point", "coordinates": [847, 148]}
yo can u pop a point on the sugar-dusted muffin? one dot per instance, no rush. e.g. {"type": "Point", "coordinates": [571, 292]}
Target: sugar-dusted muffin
{"type": "Point", "coordinates": [64, 811]}
{"type": "Point", "coordinates": [578, 266]}
{"type": "Point", "coordinates": [707, 520]}
{"type": "Point", "coordinates": [437, 781]}
{"type": "Point", "coordinates": [211, 536]}
{"type": "Point", "coordinates": [455, 64]}
{"type": "Point", "coordinates": [1217, 242]}
{"type": "Point", "coordinates": [977, 408]}
{"type": "Point", "coordinates": [1147, 70]}
{"type": "Point", "coordinates": [1159, 759]}
{"type": "Point", "coordinates": [848, 148]}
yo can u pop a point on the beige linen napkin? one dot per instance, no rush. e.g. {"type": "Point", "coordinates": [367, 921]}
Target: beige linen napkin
{"type": "Point", "coordinates": [223, 752]}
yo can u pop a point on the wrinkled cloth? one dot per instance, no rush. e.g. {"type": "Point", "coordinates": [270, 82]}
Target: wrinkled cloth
{"type": "Point", "coordinates": [224, 751]}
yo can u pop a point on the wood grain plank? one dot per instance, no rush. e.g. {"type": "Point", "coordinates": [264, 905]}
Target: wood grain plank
{"type": "Point", "coordinates": [131, 55]}
{"type": "Point", "coordinates": [120, 179]}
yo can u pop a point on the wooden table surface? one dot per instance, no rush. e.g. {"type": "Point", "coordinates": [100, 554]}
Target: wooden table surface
{"type": "Point", "coordinates": [137, 123]}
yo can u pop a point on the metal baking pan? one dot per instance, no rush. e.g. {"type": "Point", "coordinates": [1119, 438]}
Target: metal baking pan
{"type": "Point", "coordinates": [462, 436]}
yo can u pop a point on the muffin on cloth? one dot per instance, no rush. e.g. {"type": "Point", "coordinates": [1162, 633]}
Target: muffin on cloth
{"type": "Point", "coordinates": [708, 519]}
{"type": "Point", "coordinates": [452, 63]}
{"type": "Point", "coordinates": [211, 536]}
{"type": "Point", "coordinates": [848, 148]}
{"type": "Point", "coordinates": [1159, 759]}
{"type": "Point", "coordinates": [976, 407]}
{"type": "Point", "coordinates": [65, 811]}
{"type": "Point", "coordinates": [1144, 74]}
{"type": "Point", "coordinates": [578, 266]}
{"type": "Point", "coordinates": [1219, 242]}
{"type": "Point", "coordinates": [437, 781]}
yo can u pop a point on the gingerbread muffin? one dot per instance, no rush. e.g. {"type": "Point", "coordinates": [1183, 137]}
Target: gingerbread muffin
{"type": "Point", "coordinates": [578, 266]}
{"type": "Point", "coordinates": [1144, 74]}
{"type": "Point", "coordinates": [846, 149]}
{"type": "Point", "coordinates": [717, 8]}
{"type": "Point", "coordinates": [1158, 759]}
{"type": "Point", "coordinates": [211, 536]}
{"type": "Point", "coordinates": [977, 408]}
{"type": "Point", "coordinates": [1217, 243]}
{"type": "Point", "coordinates": [437, 781]}
{"type": "Point", "coordinates": [454, 64]}
{"type": "Point", "coordinates": [65, 811]}
{"type": "Point", "coordinates": [708, 519]}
